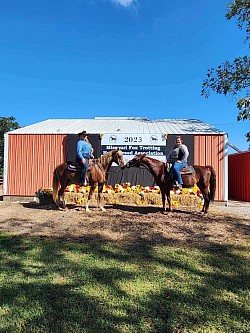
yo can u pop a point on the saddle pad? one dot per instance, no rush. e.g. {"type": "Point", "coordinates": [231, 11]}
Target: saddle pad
{"type": "Point", "coordinates": [72, 166]}
{"type": "Point", "coordinates": [187, 170]}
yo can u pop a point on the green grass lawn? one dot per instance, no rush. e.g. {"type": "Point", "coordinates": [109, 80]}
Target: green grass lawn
{"type": "Point", "coordinates": [95, 286]}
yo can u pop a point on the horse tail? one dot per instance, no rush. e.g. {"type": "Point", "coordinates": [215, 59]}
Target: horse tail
{"type": "Point", "coordinates": [212, 183]}
{"type": "Point", "coordinates": [55, 185]}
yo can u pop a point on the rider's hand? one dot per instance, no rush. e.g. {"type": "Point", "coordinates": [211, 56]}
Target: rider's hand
{"type": "Point", "coordinates": [83, 161]}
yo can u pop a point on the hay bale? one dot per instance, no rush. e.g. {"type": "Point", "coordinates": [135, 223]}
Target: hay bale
{"type": "Point", "coordinates": [129, 198]}
{"type": "Point", "coordinates": [185, 200]}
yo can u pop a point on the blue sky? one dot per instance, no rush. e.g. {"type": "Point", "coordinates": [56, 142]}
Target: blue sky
{"type": "Point", "coordinates": [144, 58]}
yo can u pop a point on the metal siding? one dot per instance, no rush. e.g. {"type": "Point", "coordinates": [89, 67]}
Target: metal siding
{"type": "Point", "coordinates": [31, 162]}
{"type": "Point", "coordinates": [209, 150]}
{"type": "Point", "coordinates": [239, 176]}
{"type": "Point", "coordinates": [121, 125]}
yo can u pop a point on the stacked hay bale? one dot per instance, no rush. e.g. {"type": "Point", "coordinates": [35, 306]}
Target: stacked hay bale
{"type": "Point", "coordinates": [135, 195]}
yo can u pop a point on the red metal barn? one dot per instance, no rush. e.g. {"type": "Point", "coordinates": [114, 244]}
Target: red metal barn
{"type": "Point", "coordinates": [239, 176]}
{"type": "Point", "coordinates": [32, 152]}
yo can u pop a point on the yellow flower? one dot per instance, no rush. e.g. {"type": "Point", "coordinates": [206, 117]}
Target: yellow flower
{"type": "Point", "coordinates": [195, 189]}
{"type": "Point", "coordinates": [185, 191]}
{"type": "Point", "coordinates": [71, 188]}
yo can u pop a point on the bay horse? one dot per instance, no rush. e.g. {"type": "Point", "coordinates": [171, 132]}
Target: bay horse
{"type": "Point", "coordinates": [204, 177]}
{"type": "Point", "coordinates": [97, 171]}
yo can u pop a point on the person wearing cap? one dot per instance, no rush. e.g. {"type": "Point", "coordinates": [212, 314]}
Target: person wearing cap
{"type": "Point", "coordinates": [83, 154]}
{"type": "Point", "coordinates": [178, 156]}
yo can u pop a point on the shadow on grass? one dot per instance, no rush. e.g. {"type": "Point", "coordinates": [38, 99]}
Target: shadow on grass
{"type": "Point", "coordinates": [93, 285]}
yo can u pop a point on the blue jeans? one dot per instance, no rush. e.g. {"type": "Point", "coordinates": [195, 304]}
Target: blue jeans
{"type": "Point", "coordinates": [84, 168]}
{"type": "Point", "coordinates": [176, 171]}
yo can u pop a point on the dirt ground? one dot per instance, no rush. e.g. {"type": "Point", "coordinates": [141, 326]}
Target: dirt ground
{"type": "Point", "coordinates": [185, 226]}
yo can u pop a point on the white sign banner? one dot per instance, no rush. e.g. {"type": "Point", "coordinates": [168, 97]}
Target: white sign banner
{"type": "Point", "coordinates": [154, 145]}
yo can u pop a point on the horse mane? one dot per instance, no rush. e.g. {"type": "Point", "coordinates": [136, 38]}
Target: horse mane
{"type": "Point", "coordinates": [154, 166]}
{"type": "Point", "coordinates": [154, 159]}
{"type": "Point", "coordinates": [150, 158]}
{"type": "Point", "coordinates": [103, 159]}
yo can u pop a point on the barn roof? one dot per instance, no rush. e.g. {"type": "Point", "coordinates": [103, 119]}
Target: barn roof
{"type": "Point", "coordinates": [119, 125]}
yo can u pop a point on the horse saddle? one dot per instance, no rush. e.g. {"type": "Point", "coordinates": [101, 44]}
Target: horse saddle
{"type": "Point", "coordinates": [74, 166]}
{"type": "Point", "coordinates": [188, 170]}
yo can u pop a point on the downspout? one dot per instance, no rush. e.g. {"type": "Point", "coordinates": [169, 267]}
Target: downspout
{"type": "Point", "coordinates": [225, 159]}
{"type": "Point", "coordinates": [5, 165]}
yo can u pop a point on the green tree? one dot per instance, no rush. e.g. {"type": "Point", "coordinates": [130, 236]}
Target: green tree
{"type": "Point", "coordinates": [234, 78]}
{"type": "Point", "coordinates": [6, 125]}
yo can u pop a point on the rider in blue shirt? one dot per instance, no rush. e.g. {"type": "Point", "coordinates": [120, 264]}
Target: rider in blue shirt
{"type": "Point", "coordinates": [83, 154]}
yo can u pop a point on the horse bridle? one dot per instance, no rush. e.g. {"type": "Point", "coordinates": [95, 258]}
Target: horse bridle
{"type": "Point", "coordinates": [117, 156]}
{"type": "Point", "coordinates": [136, 162]}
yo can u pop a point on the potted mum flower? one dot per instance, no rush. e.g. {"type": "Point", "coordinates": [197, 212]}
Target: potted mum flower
{"type": "Point", "coordinates": [45, 196]}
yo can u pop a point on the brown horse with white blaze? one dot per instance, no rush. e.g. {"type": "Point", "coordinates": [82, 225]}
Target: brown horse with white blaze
{"type": "Point", "coordinates": [204, 177]}
{"type": "Point", "coordinates": [97, 171]}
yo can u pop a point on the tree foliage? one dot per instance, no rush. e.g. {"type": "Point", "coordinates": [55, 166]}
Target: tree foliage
{"type": "Point", "coordinates": [234, 78]}
{"type": "Point", "coordinates": [6, 125]}
{"type": "Point", "coordinates": [239, 9]}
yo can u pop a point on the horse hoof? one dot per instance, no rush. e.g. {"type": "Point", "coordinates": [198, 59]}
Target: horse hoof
{"type": "Point", "coordinates": [103, 209]}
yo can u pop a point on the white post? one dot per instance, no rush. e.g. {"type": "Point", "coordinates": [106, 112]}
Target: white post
{"type": "Point", "coordinates": [5, 168]}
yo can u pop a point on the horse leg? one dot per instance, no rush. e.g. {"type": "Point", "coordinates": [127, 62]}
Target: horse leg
{"type": "Point", "coordinates": [59, 199]}
{"type": "Point", "coordinates": [57, 202]}
{"type": "Point", "coordinates": [170, 208]}
{"type": "Point", "coordinates": [61, 193]}
{"type": "Point", "coordinates": [64, 204]}
{"type": "Point", "coordinates": [204, 192]}
{"type": "Point", "coordinates": [92, 189]}
{"type": "Point", "coordinates": [166, 192]}
{"type": "Point", "coordinates": [163, 198]}
{"type": "Point", "coordinates": [207, 201]}
{"type": "Point", "coordinates": [100, 205]}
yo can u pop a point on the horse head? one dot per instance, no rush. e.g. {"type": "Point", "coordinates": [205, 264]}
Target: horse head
{"type": "Point", "coordinates": [136, 161]}
{"type": "Point", "coordinates": [118, 158]}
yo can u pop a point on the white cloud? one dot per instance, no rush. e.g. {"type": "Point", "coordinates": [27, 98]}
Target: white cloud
{"type": "Point", "coordinates": [124, 3]}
